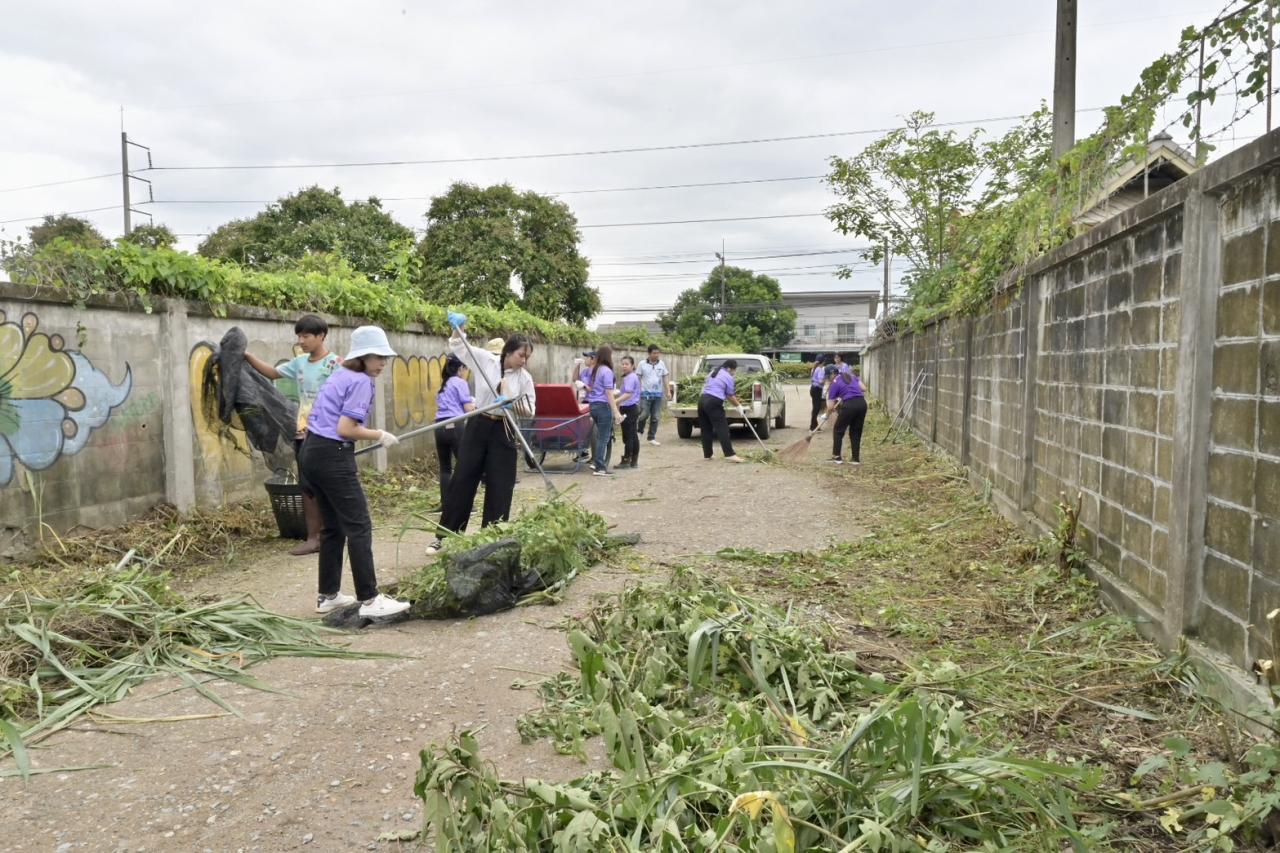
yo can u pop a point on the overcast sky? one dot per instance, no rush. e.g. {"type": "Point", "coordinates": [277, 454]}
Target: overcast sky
{"type": "Point", "coordinates": [238, 83]}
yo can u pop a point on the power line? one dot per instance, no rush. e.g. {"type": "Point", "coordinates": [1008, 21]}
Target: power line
{"type": "Point", "coordinates": [587, 153]}
{"type": "Point", "coordinates": [698, 221]}
{"type": "Point", "coordinates": [60, 213]}
{"type": "Point", "coordinates": [60, 183]}
{"type": "Point", "coordinates": [745, 258]}
{"type": "Point", "coordinates": [685, 275]}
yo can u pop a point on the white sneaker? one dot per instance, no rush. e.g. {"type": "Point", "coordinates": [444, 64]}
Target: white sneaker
{"type": "Point", "coordinates": [600, 473]}
{"type": "Point", "coordinates": [382, 606]}
{"type": "Point", "coordinates": [655, 442]}
{"type": "Point", "coordinates": [837, 460]}
{"type": "Point", "coordinates": [324, 603]}
{"type": "Point", "coordinates": [434, 547]}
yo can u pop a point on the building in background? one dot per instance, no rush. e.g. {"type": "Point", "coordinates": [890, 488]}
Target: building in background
{"type": "Point", "coordinates": [1166, 163]}
{"type": "Point", "coordinates": [828, 321]}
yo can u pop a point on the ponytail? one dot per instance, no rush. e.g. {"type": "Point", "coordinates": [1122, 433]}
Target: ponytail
{"type": "Point", "coordinates": [727, 364]}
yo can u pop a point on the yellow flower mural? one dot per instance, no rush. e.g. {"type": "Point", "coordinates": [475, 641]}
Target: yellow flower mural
{"type": "Point", "coordinates": [51, 398]}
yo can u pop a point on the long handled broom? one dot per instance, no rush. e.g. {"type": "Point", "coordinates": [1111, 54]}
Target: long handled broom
{"type": "Point", "coordinates": [796, 450]}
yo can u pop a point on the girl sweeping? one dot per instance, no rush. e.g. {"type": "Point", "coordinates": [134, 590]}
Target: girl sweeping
{"type": "Point", "coordinates": [453, 400]}
{"type": "Point", "coordinates": [718, 388]}
{"type": "Point", "coordinates": [489, 446]}
{"type": "Point", "coordinates": [327, 462]}
{"type": "Point", "coordinates": [847, 392]}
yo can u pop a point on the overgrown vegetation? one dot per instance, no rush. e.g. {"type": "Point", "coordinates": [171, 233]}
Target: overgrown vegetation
{"type": "Point", "coordinates": [966, 211]}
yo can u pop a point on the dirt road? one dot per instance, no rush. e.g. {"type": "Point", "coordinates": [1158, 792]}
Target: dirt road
{"type": "Point", "coordinates": [328, 762]}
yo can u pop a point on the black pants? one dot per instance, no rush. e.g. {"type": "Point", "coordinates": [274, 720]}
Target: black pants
{"type": "Point", "coordinates": [487, 452]}
{"type": "Point", "coordinates": [448, 450]}
{"type": "Point", "coordinates": [849, 416]}
{"type": "Point", "coordinates": [815, 394]}
{"type": "Point", "coordinates": [630, 433]}
{"type": "Point", "coordinates": [711, 419]}
{"type": "Point", "coordinates": [330, 470]}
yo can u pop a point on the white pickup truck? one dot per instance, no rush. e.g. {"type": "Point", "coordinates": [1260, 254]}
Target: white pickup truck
{"type": "Point", "coordinates": [765, 402]}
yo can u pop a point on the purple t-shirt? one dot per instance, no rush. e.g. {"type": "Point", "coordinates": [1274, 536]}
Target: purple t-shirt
{"type": "Point", "coordinates": [348, 392]}
{"type": "Point", "coordinates": [630, 385]}
{"type": "Point", "coordinates": [452, 397]}
{"type": "Point", "coordinates": [819, 375]}
{"type": "Point", "coordinates": [721, 385]}
{"type": "Point", "coordinates": [598, 390]}
{"type": "Point", "coordinates": [845, 387]}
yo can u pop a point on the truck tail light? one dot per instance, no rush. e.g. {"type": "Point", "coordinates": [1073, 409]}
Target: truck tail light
{"type": "Point", "coordinates": [757, 392]}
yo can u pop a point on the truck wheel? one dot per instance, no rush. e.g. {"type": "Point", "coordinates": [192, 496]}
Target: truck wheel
{"type": "Point", "coordinates": [684, 427]}
{"type": "Point", "coordinates": [762, 425]}
{"type": "Point", "coordinates": [780, 422]}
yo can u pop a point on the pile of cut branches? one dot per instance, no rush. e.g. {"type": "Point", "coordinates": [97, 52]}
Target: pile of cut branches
{"type": "Point", "coordinates": [730, 727]}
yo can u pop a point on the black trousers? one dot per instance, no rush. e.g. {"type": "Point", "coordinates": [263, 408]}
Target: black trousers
{"type": "Point", "coordinates": [329, 468]}
{"type": "Point", "coordinates": [488, 452]}
{"type": "Point", "coordinates": [815, 394]}
{"type": "Point", "coordinates": [713, 424]}
{"type": "Point", "coordinates": [448, 450]}
{"type": "Point", "coordinates": [850, 416]}
{"type": "Point", "coordinates": [630, 432]}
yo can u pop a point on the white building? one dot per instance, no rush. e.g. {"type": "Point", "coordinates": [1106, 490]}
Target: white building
{"type": "Point", "coordinates": [828, 321]}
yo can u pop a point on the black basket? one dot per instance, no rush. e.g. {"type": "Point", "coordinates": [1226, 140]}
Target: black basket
{"type": "Point", "coordinates": [286, 505]}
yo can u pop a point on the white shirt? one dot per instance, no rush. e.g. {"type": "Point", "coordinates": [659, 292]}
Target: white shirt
{"type": "Point", "coordinates": [651, 376]}
{"type": "Point", "coordinates": [515, 383]}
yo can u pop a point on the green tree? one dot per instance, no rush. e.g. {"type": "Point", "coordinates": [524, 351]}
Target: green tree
{"type": "Point", "coordinates": [752, 316]}
{"type": "Point", "coordinates": [479, 240]}
{"type": "Point", "coordinates": [309, 221]}
{"type": "Point", "coordinates": [151, 236]}
{"type": "Point", "coordinates": [71, 228]}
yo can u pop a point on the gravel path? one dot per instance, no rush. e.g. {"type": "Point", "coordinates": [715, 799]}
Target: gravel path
{"type": "Point", "coordinates": [328, 763]}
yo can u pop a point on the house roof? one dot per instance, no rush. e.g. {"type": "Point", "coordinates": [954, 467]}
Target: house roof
{"type": "Point", "coordinates": [1165, 163]}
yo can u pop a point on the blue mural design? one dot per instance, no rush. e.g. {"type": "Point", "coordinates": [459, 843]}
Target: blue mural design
{"type": "Point", "coordinates": [51, 398]}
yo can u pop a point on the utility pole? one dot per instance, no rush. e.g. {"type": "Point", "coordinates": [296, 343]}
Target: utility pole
{"type": "Point", "coordinates": [720, 255]}
{"type": "Point", "coordinates": [1064, 81]}
{"type": "Point", "coordinates": [126, 176]}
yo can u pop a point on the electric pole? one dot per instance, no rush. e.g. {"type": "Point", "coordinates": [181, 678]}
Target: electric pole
{"type": "Point", "coordinates": [126, 176]}
{"type": "Point", "coordinates": [1064, 81]}
{"type": "Point", "coordinates": [720, 255]}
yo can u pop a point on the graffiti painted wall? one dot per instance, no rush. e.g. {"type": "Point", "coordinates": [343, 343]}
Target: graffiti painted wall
{"type": "Point", "coordinates": [108, 410]}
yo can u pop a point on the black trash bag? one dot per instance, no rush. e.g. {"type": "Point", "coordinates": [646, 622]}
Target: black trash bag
{"type": "Point", "coordinates": [269, 418]}
{"type": "Point", "coordinates": [489, 578]}
{"type": "Point", "coordinates": [349, 619]}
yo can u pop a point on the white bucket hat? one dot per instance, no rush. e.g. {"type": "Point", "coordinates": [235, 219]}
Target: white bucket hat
{"type": "Point", "coordinates": [369, 340]}
{"type": "Point", "coordinates": [495, 345]}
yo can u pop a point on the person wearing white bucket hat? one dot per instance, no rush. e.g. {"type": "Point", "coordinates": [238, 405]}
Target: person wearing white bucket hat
{"type": "Point", "coordinates": [337, 421]}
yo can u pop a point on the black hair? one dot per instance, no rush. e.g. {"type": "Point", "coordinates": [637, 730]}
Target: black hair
{"type": "Point", "coordinates": [629, 360]}
{"type": "Point", "coordinates": [727, 364]}
{"type": "Point", "coordinates": [604, 358]}
{"type": "Point", "coordinates": [654, 348]}
{"type": "Point", "coordinates": [310, 324]}
{"type": "Point", "coordinates": [515, 342]}
{"type": "Point", "coordinates": [452, 365]}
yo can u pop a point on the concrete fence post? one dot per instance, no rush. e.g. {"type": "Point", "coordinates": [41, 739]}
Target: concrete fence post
{"type": "Point", "coordinates": [966, 389]}
{"type": "Point", "coordinates": [1201, 271]}
{"type": "Point", "coordinates": [1031, 291]}
{"type": "Point", "coordinates": [179, 440]}
{"type": "Point", "coordinates": [937, 354]}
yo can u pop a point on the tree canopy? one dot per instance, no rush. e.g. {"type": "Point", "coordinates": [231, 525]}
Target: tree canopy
{"type": "Point", "coordinates": [309, 221]}
{"type": "Point", "coordinates": [752, 316]}
{"type": "Point", "coordinates": [71, 228]}
{"type": "Point", "coordinates": [480, 239]}
{"type": "Point", "coordinates": [151, 236]}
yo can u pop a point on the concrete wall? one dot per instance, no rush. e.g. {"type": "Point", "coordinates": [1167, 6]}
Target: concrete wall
{"type": "Point", "coordinates": [1139, 367]}
{"type": "Point", "coordinates": [103, 414]}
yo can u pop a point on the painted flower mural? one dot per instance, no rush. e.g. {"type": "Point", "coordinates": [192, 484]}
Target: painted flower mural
{"type": "Point", "coordinates": [51, 398]}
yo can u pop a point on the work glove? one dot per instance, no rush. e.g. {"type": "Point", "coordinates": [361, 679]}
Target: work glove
{"type": "Point", "coordinates": [457, 319]}
{"type": "Point", "coordinates": [742, 410]}
{"type": "Point", "coordinates": [580, 385]}
{"type": "Point", "coordinates": [503, 400]}
{"type": "Point", "coordinates": [386, 439]}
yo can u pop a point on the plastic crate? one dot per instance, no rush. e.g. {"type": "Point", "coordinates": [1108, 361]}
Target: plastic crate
{"type": "Point", "coordinates": [286, 505]}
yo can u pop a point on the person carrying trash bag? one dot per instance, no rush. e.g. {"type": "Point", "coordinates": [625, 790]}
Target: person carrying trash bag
{"type": "Point", "coordinates": [328, 463]}
{"type": "Point", "coordinates": [712, 422]}
{"type": "Point", "coordinates": [489, 449]}
{"type": "Point", "coordinates": [847, 392]}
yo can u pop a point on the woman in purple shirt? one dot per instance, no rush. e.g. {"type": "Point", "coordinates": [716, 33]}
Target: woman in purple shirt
{"type": "Point", "coordinates": [327, 462]}
{"type": "Point", "coordinates": [629, 408]}
{"type": "Point", "coordinates": [816, 382]}
{"type": "Point", "coordinates": [603, 406]}
{"type": "Point", "coordinates": [848, 393]}
{"type": "Point", "coordinates": [453, 400]}
{"type": "Point", "coordinates": [718, 388]}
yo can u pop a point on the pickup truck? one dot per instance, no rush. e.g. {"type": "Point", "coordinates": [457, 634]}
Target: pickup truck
{"type": "Point", "coordinates": [765, 402]}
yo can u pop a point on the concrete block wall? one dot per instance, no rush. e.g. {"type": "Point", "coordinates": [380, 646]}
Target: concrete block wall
{"type": "Point", "coordinates": [1139, 367]}
{"type": "Point", "coordinates": [103, 413]}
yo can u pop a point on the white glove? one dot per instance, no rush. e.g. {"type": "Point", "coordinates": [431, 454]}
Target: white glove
{"type": "Point", "coordinates": [580, 385]}
{"type": "Point", "coordinates": [386, 439]}
{"type": "Point", "coordinates": [742, 410]}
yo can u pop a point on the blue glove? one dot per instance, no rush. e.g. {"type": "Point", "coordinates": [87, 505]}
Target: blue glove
{"type": "Point", "coordinates": [457, 319]}
{"type": "Point", "coordinates": [503, 400]}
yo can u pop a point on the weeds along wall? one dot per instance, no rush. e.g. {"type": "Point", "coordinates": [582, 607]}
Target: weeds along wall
{"type": "Point", "coordinates": [103, 410]}
{"type": "Point", "coordinates": [1139, 367]}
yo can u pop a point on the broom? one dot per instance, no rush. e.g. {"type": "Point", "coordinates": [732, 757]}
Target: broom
{"type": "Point", "coordinates": [796, 451]}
